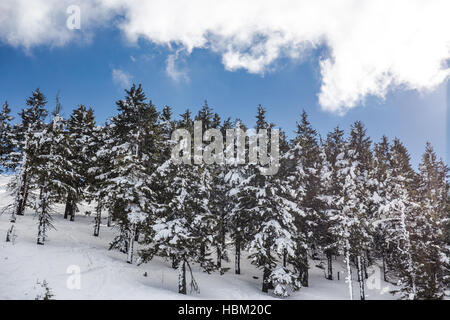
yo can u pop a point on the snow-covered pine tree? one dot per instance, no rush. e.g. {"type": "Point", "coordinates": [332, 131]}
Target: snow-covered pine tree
{"type": "Point", "coordinates": [128, 182]}
{"type": "Point", "coordinates": [235, 175]}
{"type": "Point", "coordinates": [167, 125]}
{"type": "Point", "coordinates": [330, 188]}
{"type": "Point", "coordinates": [432, 254]}
{"type": "Point", "coordinates": [80, 130]}
{"type": "Point", "coordinates": [381, 174]}
{"type": "Point", "coordinates": [24, 135]}
{"type": "Point", "coordinates": [267, 207]}
{"type": "Point", "coordinates": [181, 229]}
{"type": "Point", "coordinates": [350, 227]}
{"type": "Point", "coordinates": [49, 171]}
{"type": "Point", "coordinates": [102, 163]}
{"type": "Point", "coordinates": [219, 201]}
{"type": "Point", "coordinates": [395, 215]}
{"type": "Point", "coordinates": [326, 241]}
{"type": "Point", "coordinates": [210, 178]}
{"type": "Point", "coordinates": [361, 154]}
{"type": "Point", "coordinates": [23, 153]}
{"type": "Point", "coordinates": [6, 137]}
{"type": "Point", "coordinates": [303, 176]}
{"type": "Point", "coordinates": [243, 225]}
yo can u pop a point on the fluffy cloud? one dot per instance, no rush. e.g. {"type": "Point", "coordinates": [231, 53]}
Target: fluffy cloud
{"type": "Point", "coordinates": [176, 73]}
{"type": "Point", "coordinates": [373, 45]}
{"type": "Point", "coordinates": [121, 78]}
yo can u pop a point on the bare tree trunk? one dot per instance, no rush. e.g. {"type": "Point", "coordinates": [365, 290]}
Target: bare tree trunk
{"type": "Point", "coordinates": [329, 266]}
{"type": "Point", "coordinates": [10, 233]}
{"type": "Point", "coordinates": [360, 278]}
{"type": "Point", "coordinates": [98, 219]}
{"type": "Point", "coordinates": [182, 276]}
{"type": "Point", "coordinates": [266, 280]}
{"type": "Point", "coordinates": [349, 269]}
{"type": "Point", "coordinates": [108, 223]}
{"type": "Point", "coordinates": [132, 234]}
{"type": "Point", "coordinates": [237, 257]}
{"type": "Point", "coordinates": [219, 257]}
{"type": "Point", "coordinates": [384, 267]}
{"type": "Point", "coordinates": [23, 195]}
{"type": "Point", "coordinates": [175, 262]}
{"type": "Point", "coordinates": [68, 204]}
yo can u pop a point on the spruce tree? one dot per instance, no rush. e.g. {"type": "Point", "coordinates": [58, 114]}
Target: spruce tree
{"type": "Point", "coordinates": [80, 131]}
{"type": "Point", "coordinates": [430, 223]}
{"type": "Point", "coordinates": [128, 181]}
{"type": "Point", "coordinates": [50, 172]}
{"type": "Point", "coordinates": [6, 138]}
{"type": "Point", "coordinates": [25, 135]}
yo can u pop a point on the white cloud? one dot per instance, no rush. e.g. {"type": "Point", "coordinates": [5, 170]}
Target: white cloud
{"type": "Point", "coordinates": [174, 72]}
{"type": "Point", "coordinates": [27, 24]}
{"type": "Point", "coordinates": [121, 78]}
{"type": "Point", "coordinates": [374, 45]}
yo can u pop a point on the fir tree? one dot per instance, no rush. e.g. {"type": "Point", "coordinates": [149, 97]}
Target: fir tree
{"type": "Point", "coordinates": [6, 137]}
{"type": "Point", "coordinates": [80, 130]}
{"type": "Point", "coordinates": [133, 138]}
{"type": "Point", "coordinates": [25, 135]}
{"type": "Point", "coordinates": [430, 223]}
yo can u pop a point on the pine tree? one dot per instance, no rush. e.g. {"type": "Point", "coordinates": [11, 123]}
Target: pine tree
{"type": "Point", "coordinates": [128, 181]}
{"type": "Point", "coordinates": [238, 223]}
{"type": "Point", "coordinates": [49, 172]}
{"type": "Point", "coordinates": [304, 178]}
{"type": "Point", "coordinates": [80, 130]}
{"type": "Point", "coordinates": [25, 134]}
{"type": "Point", "coordinates": [6, 137]}
{"type": "Point", "coordinates": [381, 174]}
{"type": "Point", "coordinates": [181, 228]}
{"type": "Point", "coordinates": [102, 163]}
{"type": "Point", "coordinates": [330, 188]}
{"type": "Point", "coordinates": [430, 222]}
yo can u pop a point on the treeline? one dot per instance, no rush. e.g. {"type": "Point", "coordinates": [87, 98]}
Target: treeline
{"type": "Point", "coordinates": [333, 196]}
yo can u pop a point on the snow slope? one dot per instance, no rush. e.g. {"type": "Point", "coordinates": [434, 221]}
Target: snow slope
{"type": "Point", "coordinates": [106, 275]}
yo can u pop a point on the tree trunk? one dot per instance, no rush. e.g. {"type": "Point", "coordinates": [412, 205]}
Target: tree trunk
{"type": "Point", "coordinates": [182, 276]}
{"type": "Point", "coordinates": [42, 219]}
{"type": "Point", "coordinates": [98, 219]}
{"type": "Point", "coordinates": [175, 262]}
{"type": "Point", "coordinates": [237, 257]}
{"type": "Point", "coordinates": [329, 266]}
{"type": "Point", "coordinates": [384, 267]}
{"type": "Point", "coordinates": [72, 212]}
{"type": "Point", "coordinates": [68, 204]}
{"type": "Point", "coordinates": [360, 278]}
{"type": "Point", "coordinates": [219, 257]}
{"type": "Point", "coordinates": [284, 258]}
{"type": "Point", "coordinates": [266, 281]}
{"type": "Point", "coordinates": [70, 207]}
{"type": "Point", "coordinates": [366, 275]}
{"type": "Point", "coordinates": [349, 269]}
{"type": "Point", "coordinates": [23, 192]}
{"type": "Point", "coordinates": [304, 271]}
{"type": "Point", "coordinates": [10, 233]}
{"type": "Point", "coordinates": [132, 234]}
{"type": "Point", "coordinates": [108, 223]}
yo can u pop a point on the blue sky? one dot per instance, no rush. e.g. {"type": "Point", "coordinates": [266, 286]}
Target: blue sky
{"type": "Point", "coordinates": [83, 73]}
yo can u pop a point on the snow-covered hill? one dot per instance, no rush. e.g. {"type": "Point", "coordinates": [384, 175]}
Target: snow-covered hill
{"type": "Point", "coordinates": [106, 275]}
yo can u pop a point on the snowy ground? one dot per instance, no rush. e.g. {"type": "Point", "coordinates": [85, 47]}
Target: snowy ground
{"type": "Point", "coordinates": [106, 275]}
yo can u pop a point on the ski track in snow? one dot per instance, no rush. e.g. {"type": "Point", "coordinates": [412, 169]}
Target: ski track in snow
{"type": "Point", "coordinates": [106, 275]}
